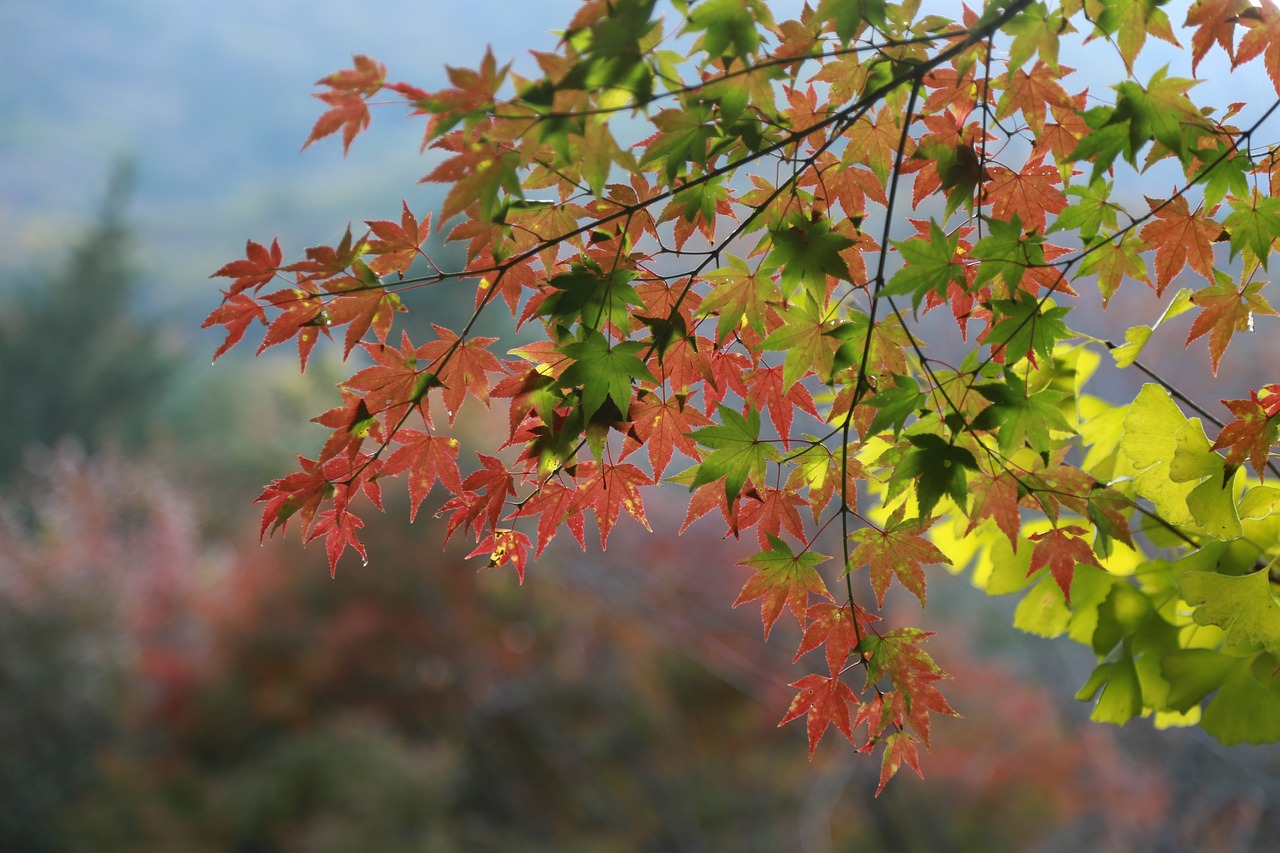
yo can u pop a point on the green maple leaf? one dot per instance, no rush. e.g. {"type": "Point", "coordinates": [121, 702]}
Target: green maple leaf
{"type": "Point", "coordinates": [1020, 416]}
{"type": "Point", "coordinates": [1254, 223]}
{"type": "Point", "coordinates": [930, 266]}
{"type": "Point", "coordinates": [1027, 327]}
{"type": "Point", "coordinates": [851, 15]}
{"type": "Point", "coordinates": [807, 252]}
{"type": "Point", "coordinates": [737, 452]}
{"type": "Point", "coordinates": [1007, 252]}
{"type": "Point", "coordinates": [586, 294]}
{"type": "Point", "coordinates": [808, 339]}
{"type": "Point", "coordinates": [604, 371]}
{"type": "Point", "coordinates": [894, 405]}
{"type": "Point", "coordinates": [937, 468]}
{"type": "Point", "coordinates": [730, 27]}
{"type": "Point", "coordinates": [1093, 212]}
{"type": "Point", "coordinates": [1159, 111]}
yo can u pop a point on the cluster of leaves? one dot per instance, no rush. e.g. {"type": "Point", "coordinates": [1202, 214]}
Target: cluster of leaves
{"type": "Point", "coordinates": [751, 250]}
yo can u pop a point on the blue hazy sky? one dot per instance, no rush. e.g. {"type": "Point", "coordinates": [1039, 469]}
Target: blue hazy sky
{"type": "Point", "coordinates": [211, 100]}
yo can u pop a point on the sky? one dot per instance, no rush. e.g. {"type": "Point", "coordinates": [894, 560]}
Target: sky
{"type": "Point", "coordinates": [212, 102]}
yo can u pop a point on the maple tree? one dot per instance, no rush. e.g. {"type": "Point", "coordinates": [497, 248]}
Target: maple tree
{"type": "Point", "coordinates": [705, 212]}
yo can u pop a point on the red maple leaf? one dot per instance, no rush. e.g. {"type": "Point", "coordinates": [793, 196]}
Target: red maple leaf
{"type": "Point", "coordinates": [555, 504]}
{"type": "Point", "coordinates": [502, 547]}
{"type": "Point", "coordinates": [397, 246]}
{"type": "Point", "coordinates": [351, 424]}
{"type": "Point", "coordinates": [462, 367]}
{"type": "Point", "coordinates": [769, 510]}
{"type": "Point", "coordinates": [301, 315]}
{"type": "Point", "coordinates": [765, 389]}
{"type": "Point", "coordinates": [1033, 93]}
{"type": "Point", "coordinates": [996, 498]}
{"type": "Point", "coordinates": [897, 550]}
{"type": "Point", "coordinates": [662, 425]}
{"type": "Point", "coordinates": [711, 496]}
{"type": "Point", "coordinates": [328, 261]}
{"type": "Point", "coordinates": [783, 579]}
{"type": "Point", "coordinates": [348, 90]}
{"type": "Point", "coordinates": [826, 700]}
{"type": "Point", "coordinates": [394, 383]}
{"type": "Point", "coordinates": [299, 493]}
{"type": "Point", "coordinates": [1181, 236]}
{"type": "Point", "coordinates": [609, 489]}
{"type": "Point", "coordinates": [835, 627]}
{"type": "Point", "coordinates": [1215, 21]}
{"type": "Point", "coordinates": [236, 312]}
{"type": "Point", "coordinates": [492, 484]}
{"type": "Point", "coordinates": [1029, 193]}
{"type": "Point", "coordinates": [1250, 435]}
{"type": "Point", "coordinates": [898, 747]}
{"type": "Point", "coordinates": [362, 305]}
{"type": "Point", "coordinates": [1061, 550]}
{"type": "Point", "coordinates": [1225, 310]}
{"type": "Point", "coordinates": [1263, 38]}
{"type": "Point", "coordinates": [339, 528]}
{"type": "Point", "coordinates": [428, 459]}
{"type": "Point", "coordinates": [259, 266]}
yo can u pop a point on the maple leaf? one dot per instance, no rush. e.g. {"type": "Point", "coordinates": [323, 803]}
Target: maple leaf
{"type": "Point", "coordinates": [604, 371]}
{"type": "Point", "coordinates": [1249, 436]}
{"type": "Point", "coordinates": [555, 503]}
{"type": "Point", "coordinates": [302, 315]}
{"type": "Point", "coordinates": [236, 312]}
{"type": "Point", "coordinates": [765, 388]}
{"type": "Point", "coordinates": [736, 451]}
{"type": "Point", "coordinates": [351, 424]}
{"type": "Point", "coordinates": [461, 366]}
{"type": "Point", "coordinates": [1262, 39]}
{"type": "Point", "coordinates": [898, 550]}
{"type": "Point", "coordinates": [1062, 549]}
{"type": "Point", "coordinates": [482, 508]}
{"type": "Point", "coordinates": [826, 701]}
{"type": "Point", "coordinates": [502, 547]}
{"type": "Point", "coordinates": [1033, 93]}
{"type": "Point", "coordinates": [1225, 310]}
{"type": "Point", "coordinates": [1181, 236]}
{"type": "Point", "coordinates": [339, 528]}
{"type": "Point", "coordinates": [662, 424]}
{"type": "Point", "coordinates": [259, 266]}
{"type": "Point", "coordinates": [1215, 22]}
{"type": "Point", "coordinates": [898, 747]}
{"type": "Point", "coordinates": [397, 246]}
{"type": "Point", "coordinates": [360, 304]}
{"type": "Point", "coordinates": [1029, 194]}
{"type": "Point", "coordinates": [769, 510]}
{"type": "Point", "coordinates": [783, 579]}
{"type": "Point", "coordinates": [738, 295]}
{"type": "Point", "coordinates": [428, 459]}
{"type": "Point", "coordinates": [348, 90]}
{"type": "Point", "coordinates": [300, 493]}
{"type": "Point", "coordinates": [608, 489]}
{"type": "Point", "coordinates": [806, 336]}
{"type": "Point", "coordinates": [394, 385]}
{"type": "Point", "coordinates": [328, 261]}
{"type": "Point", "coordinates": [899, 655]}
{"type": "Point", "coordinates": [996, 498]}
{"type": "Point", "coordinates": [837, 628]}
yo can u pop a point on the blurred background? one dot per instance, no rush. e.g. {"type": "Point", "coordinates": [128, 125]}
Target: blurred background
{"type": "Point", "coordinates": [166, 683]}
